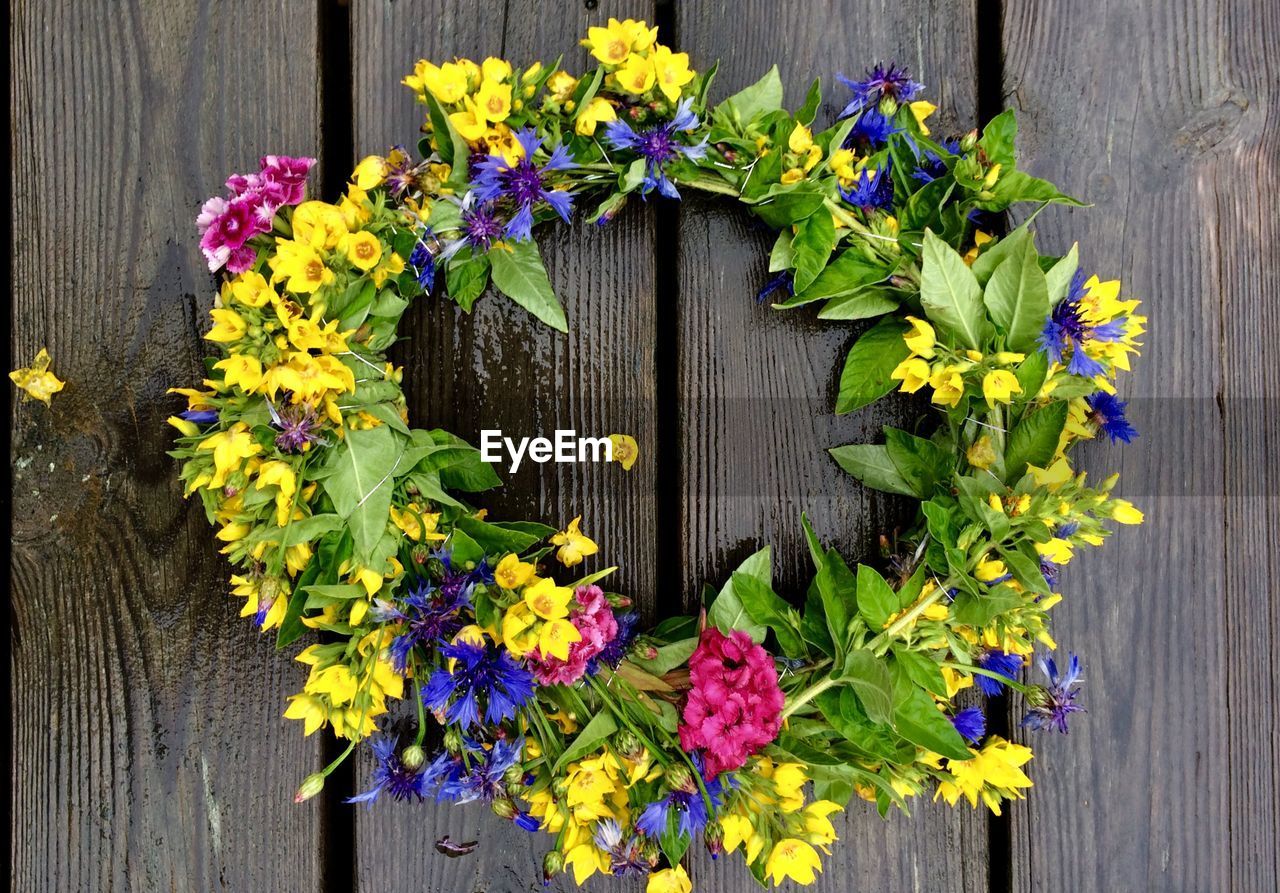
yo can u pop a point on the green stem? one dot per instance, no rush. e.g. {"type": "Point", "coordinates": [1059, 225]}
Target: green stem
{"type": "Point", "coordinates": [809, 694]}
{"type": "Point", "coordinates": [909, 617]}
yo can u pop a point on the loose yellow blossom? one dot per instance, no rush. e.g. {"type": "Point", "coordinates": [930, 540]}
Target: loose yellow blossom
{"type": "Point", "coordinates": [561, 85]}
{"type": "Point", "coordinates": [318, 224]}
{"type": "Point", "coordinates": [36, 381]}
{"type": "Point", "coordinates": [574, 546]}
{"type": "Point", "coordinates": [948, 385]}
{"type": "Point", "coordinates": [914, 374]}
{"type": "Point", "coordinates": [369, 172]}
{"type": "Point", "coordinates": [228, 326]}
{"type": "Point", "coordinates": [672, 71]}
{"type": "Point", "coordinates": [493, 101]}
{"type": "Point", "coordinates": [992, 774]}
{"type": "Point", "coordinates": [299, 266]}
{"type": "Point", "coordinates": [636, 75]}
{"type": "Point", "coordinates": [1125, 512]}
{"type": "Point", "coordinates": [921, 110]}
{"type": "Point", "coordinates": [921, 338]}
{"type": "Point", "coordinates": [669, 880]}
{"type": "Point", "coordinates": [792, 858]}
{"type": "Point", "coordinates": [447, 83]}
{"type": "Point", "coordinates": [598, 111]}
{"type": "Point", "coordinates": [625, 450]}
{"type": "Point", "coordinates": [230, 448]}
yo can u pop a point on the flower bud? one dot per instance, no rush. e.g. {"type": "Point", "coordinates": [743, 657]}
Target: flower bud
{"type": "Point", "coordinates": [560, 787]}
{"type": "Point", "coordinates": [514, 774]}
{"type": "Point", "coordinates": [504, 809]}
{"type": "Point", "coordinates": [413, 757]}
{"type": "Point", "coordinates": [627, 744]}
{"type": "Point", "coordinates": [311, 785]}
{"type": "Point", "coordinates": [421, 554]}
{"type": "Point", "coordinates": [552, 865]}
{"type": "Point", "coordinates": [681, 779]}
{"type": "Point", "coordinates": [713, 837]}
{"type": "Point", "coordinates": [453, 740]}
{"type": "Point", "coordinates": [969, 141]}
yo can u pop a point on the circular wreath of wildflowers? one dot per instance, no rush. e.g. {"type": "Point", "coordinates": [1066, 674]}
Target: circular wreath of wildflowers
{"type": "Point", "coordinates": [744, 727]}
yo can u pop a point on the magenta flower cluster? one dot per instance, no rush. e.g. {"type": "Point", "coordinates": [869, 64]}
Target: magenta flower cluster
{"type": "Point", "coordinates": [227, 224]}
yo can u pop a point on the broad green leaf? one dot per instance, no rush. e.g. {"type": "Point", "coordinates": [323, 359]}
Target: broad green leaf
{"type": "Point", "coordinates": [812, 246]}
{"type": "Point", "coordinates": [1026, 571]}
{"type": "Point", "coordinates": [765, 95]}
{"type": "Point", "coordinates": [838, 589]}
{"type": "Point", "coordinates": [1058, 277]}
{"type": "Point", "coordinates": [998, 137]}
{"type": "Point", "coordinates": [461, 469]}
{"type": "Point", "coordinates": [921, 463]}
{"type": "Point", "coordinates": [923, 670]}
{"type": "Point", "coordinates": [869, 677]}
{"type": "Point", "coordinates": [871, 360]}
{"type": "Point", "coordinates": [868, 302]}
{"type": "Point", "coordinates": [870, 463]}
{"type": "Point", "coordinates": [951, 295]}
{"type": "Point", "coordinates": [917, 719]}
{"type": "Point", "coordinates": [727, 612]}
{"type": "Point", "coordinates": [877, 601]}
{"type": "Point", "coordinates": [1017, 298]}
{"type": "Point", "coordinates": [1035, 440]}
{"type": "Point", "coordinates": [997, 252]}
{"type": "Point", "coordinates": [979, 610]}
{"type": "Point", "coordinates": [763, 605]}
{"type": "Point", "coordinates": [783, 205]}
{"type": "Point", "coordinates": [845, 714]}
{"type": "Point", "coordinates": [306, 530]}
{"type": "Point", "coordinates": [496, 539]}
{"type": "Point", "coordinates": [780, 258]}
{"type": "Point", "coordinates": [1016, 186]}
{"type": "Point", "coordinates": [669, 656]}
{"type": "Point", "coordinates": [519, 274]}
{"type": "Point", "coordinates": [466, 276]}
{"type": "Point", "coordinates": [848, 273]}
{"type": "Point", "coordinates": [602, 725]}
{"type": "Point", "coordinates": [360, 482]}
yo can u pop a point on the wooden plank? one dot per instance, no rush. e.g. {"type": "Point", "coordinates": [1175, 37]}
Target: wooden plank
{"type": "Point", "coordinates": [500, 369]}
{"type": "Point", "coordinates": [148, 745]}
{"type": "Point", "coordinates": [757, 386]}
{"type": "Point", "coordinates": [1170, 782]}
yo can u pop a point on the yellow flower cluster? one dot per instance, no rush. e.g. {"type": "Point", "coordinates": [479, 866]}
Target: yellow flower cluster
{"type": "Point", "coordinates": [992, 774]}
{"type": "Point", "coordinates": [636, 62]}
{"type": "Point", "coordinates": [479, 99]}
{"type": "Point", "coordinates": [349, 692]}
{"type": "Point", "coordinates": [948, 372]}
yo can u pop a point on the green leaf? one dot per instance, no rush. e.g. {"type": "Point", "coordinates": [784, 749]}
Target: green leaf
{"type": "Point", "coordinates": [1031, 372]}
{"type": "Point", "coordinates": [496, 539]}
{"type": "Point", "coordinates": [921, 463]}
{"type": "Point", "coordinates": [871, 360]}
{"type": "Point", "coordinates": [848, 273]}
{"type": "Point", "coordinates": [360, 481]}
{"type": "Point", "coordinates": [781, 257]}
{"type": "Point", "coordinates": [727, 612]}
{"type": "Point", "coordinates": [466, 277]}
{"type": "Point", "coordinates": [869, 677]}
{"type": "Point", "coordinates": [782, 205]}
{"type": "Point", "coordinates": [995, 253]}
{"type": "Point", "coordinates": [806, 113]}
{"type": "Point", "coordinates": [602, 725]}
{"type": "Point", "coordinates": [461, 469]}
{"type": "Point", "coordinates": [669, 656]}
{"type": "Point", "coordinates": [1017, 298]}
{"type": "Point", "coordinates": [870, 463]}
{"type": "Point", "coordinates": [951, 295]}
{"type": "Point", "coordinates": [763, 605]}
{"type": "Point", "coordinates": [919, 721]}
{"type": "Point", "coordinates": [1025, 570]}
{"type": "Point", "coordinates": [979, 610]}
{"type": "Point", "coordinates": [845, 714]}
{"type": "Point", "coordinates": [1015, 186]}
{"type": "Point", "coordinates": [519, 274]}
{"type": "Point", "coordinates": [876, 599]}
{"type": "Point", "coordinates": [765, 95]}
{"type": "Point", "coordinates": [1058, 277]}
{"type": "Point", "coordinates": [306, 530]}
{"type": "Point", "coordinates": [998, 137]}
{"type": "Point", "coordinates": [838, 589]}
{"type": "Point", "coordinates": [814, 241]}
{"type": "Point", "coordinates": [868, 302]}
{"type": "Point", "coordinates": [923, 670]}
{"type": "Point", "coordinates": [1035, 440]}
{"type": "Point", "coordinates": [815, 547]}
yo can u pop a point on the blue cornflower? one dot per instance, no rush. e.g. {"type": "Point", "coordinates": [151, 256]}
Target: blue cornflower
{"type": "Point", "coordinates": [932, 165]}
{"type": "Point", "coordinates": [483, 775]}
{"type": "Point", "coordinates": [524, 183]}
{"type": "Point", "coordinates": [392, 776]}
{"type": "Point", "coordinates": [872, 130]}
{"type": "Point", "coordinates": [1052, 704]}
{"type": "Point", "coordinates": [423, 262]}
{"type": "Point", "coordinates": [481, 227]}
{"type": "Point", "coordinates": [1107, 412]}
{"type": "Point", "coordinates": [613, 653]}
{"type": "Point", "coordinates": [298, 426]}
{"type": "Point", "coordinates": [1006, 665]}
{"type": "Point", "coordinates": [880, 83]}
{"type": "Point", "coordinates": [970, 723]}
{"type": "Point", "coordinates": [688, 804]}
{"type": "Point", "coordinates": [784, 281]}
{"type": "Point", "coordinates": [1066, 328]}
{"type": "Point", "coordinates": [872, 190]}
{"type": "Point", "coordinates": [626, 854]}
{"type": "Point", "coordinates": [1050, 570]}
{"type": "Point", "coordinates": [481, 671]}
{"type": "Point", "coordinates": [659, 146]}
{"type": "Point", "coordinates": [201, 416]}
{"type": "Point", "coordinates": [428, 615]}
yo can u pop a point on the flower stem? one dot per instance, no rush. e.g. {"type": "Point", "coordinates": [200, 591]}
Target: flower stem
{"type": "Point", "coordinates": [809, 694]}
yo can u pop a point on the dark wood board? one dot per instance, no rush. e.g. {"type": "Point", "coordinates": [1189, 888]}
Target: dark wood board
{"type": "Point", "coordinates": [499, 368]}
{"type": "Point", "coordinates": [149, 751]}
{"type": "Point", "coordinates": [757, 386]}
{"type": "Point", "coordinates": [1163, 115]}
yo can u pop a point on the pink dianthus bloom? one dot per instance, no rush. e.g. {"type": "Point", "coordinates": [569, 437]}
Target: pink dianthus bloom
{"type": "Point", "coordinates": [735, 705]}
{"type": "Point", "coordinates": [227, 224]}
{"type": "Point", "coordinates": [593, 617]}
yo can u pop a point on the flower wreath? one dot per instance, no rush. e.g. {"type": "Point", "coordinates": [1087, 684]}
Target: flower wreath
{"type": "Point", "coordinates": [747, 725]}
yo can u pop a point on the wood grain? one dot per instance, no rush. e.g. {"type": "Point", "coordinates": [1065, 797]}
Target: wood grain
{"type": "Point", "coordinates": [148, 745]}
{"type": "Point", "coordinates": [1170, 782]}
{"type": "Point", "coordinates": [757, 386]}
{"type": "Point", "coordinates": [499, 369]}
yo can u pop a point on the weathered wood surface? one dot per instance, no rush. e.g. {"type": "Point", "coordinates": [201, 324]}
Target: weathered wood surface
{"type": "Point", "coordinates": [148, 747]}
{"type": "Point", "coordinates": [1164, 115]}
{"type": "Point", "coordinates": [149, 752]}
{"type": "Point", "coordinates": [757, 386]}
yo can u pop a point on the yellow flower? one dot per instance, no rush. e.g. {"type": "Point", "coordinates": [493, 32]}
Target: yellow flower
{"type": "Point", "coordinates": [512, 573]}
{"type": "Point", "coordinates": [1125, 512]}
{"type": "Point", "coordinates": [597, 111]}
{"type": "Point", "coordinates": [981, 454]}
{"type": "Point", "coordinates": [363, 249]}
{"type": "Point", "coordinates": [228, 326]}
{"type": "Point", "coordinates": [230, 448]}
{"type": "Point", "coordinates": [250, 289]}
{"type": "Point", "coordinates": [299, 266]}
{"type": "Point", "coordinates": [556, 636]}
{"type": "Point", "coordinates": [561, 85]}
{"type": "Point", "coordinates": [518, 632]}
{"type": "Point", "coordinates": [801, 140]}
{"type": "Point", "coordinates": [612, 43]}
{"type": "Point", "coordinates": [547, 600]}
{"type": "Point", "coordinates": [738, 830]}
{"type": "Point", "coordinates": [947, 384]}
{"type": "Point", "coordinates": [921, 339]}
{"type": "Point", "coordinates": [408, 522]}
{"type": "Point", "coordinates": [979, 239]}
{"type": "Point", "coordinates": [792, 858]}
{"type": "Point", "coordinates": [495, 69]}
{"type": "Point", "coordinates": [636, 75]}
{"type": "Point", "coordinates": [1057, 550]}
{"type": "Point", "coordinates": [789, 780]}
{"type": "Point", "coordinates": [447, 83]}
{"type": "Point", "coordinates": [913, 372]}
{"type": "Point", "coordinates": [586, 859]}
{"type": "Point", "coordinates": [991, 772]}
{"type": "Point", "coordinates": [392, 265]}
{"type": "Point", "coordinates": [672, 70]}
{"type": "Point", "coordinates": [795, 175]}
{"type": "Point", "coordinates": [318, 224]}
{"type": "Point", "coordinates": [841, 164]}
{"type": "Point", "coordinates": [493, 102]}
{"type": "Point", "coordinates": [309, 378]}
{"type": "Point", "coordinates": [369, 172]}
{"type": "Point", "coordinates": [625, 450]}
{"type": "Point", "coordinates": [36, 381]}
{"type": "Point", "coordinates": [816, 823]}
{"type": "Point", "coordinates": [999, 385]}
{"type": "Point", "coordinates": [669, 880]}
{"type": "Point", "coordinates": [311, 710]}
{"type": "Point", "coordinates": [921, 110]}
{"type": "Point", "coordinates": [470, 123]}
{"type": "Point", "coordinates": [990, 569]}
{"type": "Point", "coordinates": [574, 546]}
{"type": "Point", "coordinates": [280, 475]}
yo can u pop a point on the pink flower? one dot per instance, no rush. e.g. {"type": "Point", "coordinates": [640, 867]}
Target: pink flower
{"type": "Point", "coordinates": [227, 225]}
{"type": "Point", "coordinates": [593, 617]}
{"type": "Point", "coordinates": [735, 705]}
